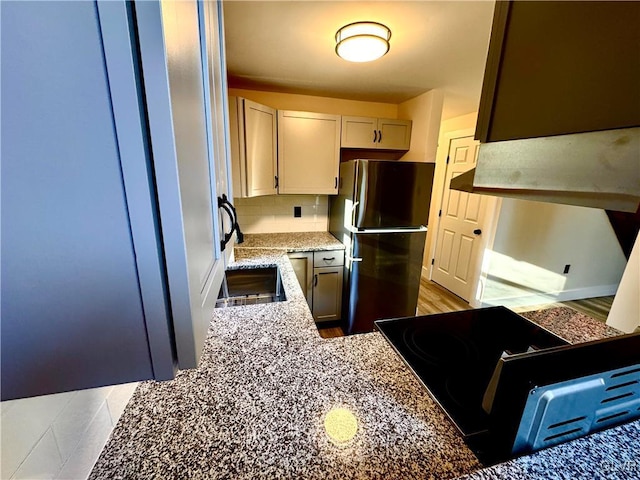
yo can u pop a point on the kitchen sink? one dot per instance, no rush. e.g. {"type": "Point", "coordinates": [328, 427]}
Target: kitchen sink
{"type": "Point", "coordinates": [250, 286]}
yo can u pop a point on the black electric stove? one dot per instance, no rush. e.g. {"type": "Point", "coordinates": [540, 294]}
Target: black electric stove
{"type": "Point", "coordinates": [455, 354]}
{"type": "Point", "coordinates": [510, 386]}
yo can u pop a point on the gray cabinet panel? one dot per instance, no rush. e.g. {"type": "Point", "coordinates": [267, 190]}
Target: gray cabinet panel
{"type": "Point", "coordinates": [581, 63]}
{"type": "Point", "coordinates": [302, 263]}
{"type": "Point", "coordinates": [327, 293]}
{"type": "Point", "coordinates": [110, 232]}
{"type": "Point", "coordinates": [170, 41]}
{"type": "Point", "coordinates": [71, 308]}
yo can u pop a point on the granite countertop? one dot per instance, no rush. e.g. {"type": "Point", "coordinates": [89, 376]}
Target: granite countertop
{"type": "Point", "coordinates": [292, 242]}
{"type": "Point", "coordinates": [255, 406]}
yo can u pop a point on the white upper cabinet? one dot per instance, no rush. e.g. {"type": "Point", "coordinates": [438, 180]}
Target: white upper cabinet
{"type": "Point", "coordinates": [359, 132]}
{"type": "Point", "coordinates": [378, 133]}
{"type": "Point", "coordinates": [253, 148]}
{"type": "Point", "coordinates": [308, 152]}
{"type": "Point", "coordinates": [394, 134]}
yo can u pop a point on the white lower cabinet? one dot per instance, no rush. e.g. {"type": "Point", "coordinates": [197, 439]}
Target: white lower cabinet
{"type": "Point", "coordinates": [327, 293]}
{"type": "Point", "coordinates": [320, 277]}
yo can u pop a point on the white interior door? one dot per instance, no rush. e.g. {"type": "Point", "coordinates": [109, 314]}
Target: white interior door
{"type": "Point", "coordinates": [459, 239]}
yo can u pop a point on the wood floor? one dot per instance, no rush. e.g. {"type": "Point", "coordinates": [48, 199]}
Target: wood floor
{"type": "Point", "coordinates": [330, 332]}
{"type": "Point", "coordinates": [435, 299]}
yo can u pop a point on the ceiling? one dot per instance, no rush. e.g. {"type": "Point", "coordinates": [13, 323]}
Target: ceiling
{"type": "Point", "coordinates": [289, 46]}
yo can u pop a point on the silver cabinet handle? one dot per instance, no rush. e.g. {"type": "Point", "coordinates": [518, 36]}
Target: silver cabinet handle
{"type": "Point", "coordinates": [354, 259]}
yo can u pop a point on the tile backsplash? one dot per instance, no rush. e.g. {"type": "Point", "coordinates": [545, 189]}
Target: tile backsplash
{"type": "Point", "coordinates": [275, 213]}
{"type": "Point", "coordinates": [59, 436]}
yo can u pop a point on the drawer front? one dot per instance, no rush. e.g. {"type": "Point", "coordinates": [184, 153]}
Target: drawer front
{"type": "Point", "coordinates": [329, 258]}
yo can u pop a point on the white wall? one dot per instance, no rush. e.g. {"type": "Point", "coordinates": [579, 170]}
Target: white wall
{"type": "Point", "coordinates": [534, 241]}
{"type": "Point", "coordinates": [425, 111]}
{"type": "Point", "coordinates": [274, 213]}
{"type": "Point", "coordinates": [625, 311]}
{"type": "Point", "coordinates": [59, 436]}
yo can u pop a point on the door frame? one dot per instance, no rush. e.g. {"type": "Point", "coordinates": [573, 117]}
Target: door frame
{"type": "Point", "coordinates": [489, 229]}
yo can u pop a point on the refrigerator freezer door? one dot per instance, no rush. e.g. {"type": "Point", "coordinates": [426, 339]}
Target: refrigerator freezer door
{"type": "Point", "coordinates": [385, 283]}
{"type": "Point", "coordinates": [392, 194]}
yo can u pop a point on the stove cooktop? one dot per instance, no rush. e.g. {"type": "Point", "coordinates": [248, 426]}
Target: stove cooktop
{"type": "Point", "coordinates": [454, 355]}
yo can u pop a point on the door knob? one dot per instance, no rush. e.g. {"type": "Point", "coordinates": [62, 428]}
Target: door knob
{"type": "Point", "coordinates": [477, 231]}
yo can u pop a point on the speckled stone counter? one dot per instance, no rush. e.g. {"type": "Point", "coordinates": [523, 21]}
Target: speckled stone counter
{"type": "Point", "coordinates": [611, 454]}
{"type": "Point", "coordinates": [292, 242]}
{"type": "Point", "coordinates": [255, 407]}
{"type": "Point", "coordinates": [571, 325]}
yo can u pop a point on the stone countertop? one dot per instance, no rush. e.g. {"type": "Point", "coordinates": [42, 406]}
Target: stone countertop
{"type": "Point", "coordinates": [255, 408]}
{"type": "Point", "coordinates": [292, 242]}
{"type": "Point", "coordinates": [610, 454]}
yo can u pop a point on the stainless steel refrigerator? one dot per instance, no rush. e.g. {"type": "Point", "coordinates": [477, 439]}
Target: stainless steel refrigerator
{"type": "Point", "coordinates": [380, 214]}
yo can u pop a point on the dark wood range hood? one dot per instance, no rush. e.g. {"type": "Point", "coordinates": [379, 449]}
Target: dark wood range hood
{"type": "Point", "coordinates": [559, 117]}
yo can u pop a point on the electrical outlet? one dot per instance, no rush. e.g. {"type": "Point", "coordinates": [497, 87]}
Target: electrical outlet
{"type": "Point", "coordinates": [297, 212]}
{"type": "Point", "coordinates": [566, 269]}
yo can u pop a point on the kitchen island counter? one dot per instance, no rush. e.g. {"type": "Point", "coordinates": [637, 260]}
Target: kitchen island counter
{"type": "Point", "coordinates": [256, 405]}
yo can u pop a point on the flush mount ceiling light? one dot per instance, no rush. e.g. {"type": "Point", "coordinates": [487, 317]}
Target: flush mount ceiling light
{"type": "Point", "coordinates": [362, 41]}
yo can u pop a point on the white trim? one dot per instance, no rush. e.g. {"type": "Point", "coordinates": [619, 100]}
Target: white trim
{"type": "Point", "coordinates": [552, 297]}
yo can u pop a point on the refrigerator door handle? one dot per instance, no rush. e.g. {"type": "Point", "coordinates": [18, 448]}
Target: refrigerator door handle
{"type": "Point", "coordinates": [354, 259]}
{"type": "Point", "coordinates": [421, 228]}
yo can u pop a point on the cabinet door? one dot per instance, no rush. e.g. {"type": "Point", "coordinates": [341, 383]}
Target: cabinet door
{"type": "Point", "coordinates": [394, 134]}
{"type": "Point", "coordinates": [589, 83]}
{"type": "Point", "coordinates": [179, 116]}
{"type": "Point", "coordinates": [214, 69]}
{"type": "Point", "coordinates": [308, 152]}
{"type": "Point", "coordinates": [303, 267]}
{"type": "Point", "coordinates": [236, 146]}
{"type": "Point", "coordinates": [327, 293]}
{"type": "Point", "coordinates": [73, 309]}
{"type": "Point", "coordinates": [260, 149]}
{"type": "Point", "coordinates": [358, 132]}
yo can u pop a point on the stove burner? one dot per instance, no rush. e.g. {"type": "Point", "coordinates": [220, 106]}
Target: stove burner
{"type": "Point", "coordinates": [443, 350]}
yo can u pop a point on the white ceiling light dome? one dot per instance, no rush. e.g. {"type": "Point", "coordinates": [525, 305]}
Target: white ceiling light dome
{"type": "Point", "coordinates": [362, 41]}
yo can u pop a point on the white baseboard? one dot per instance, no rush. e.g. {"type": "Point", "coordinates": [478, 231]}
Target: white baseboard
{"type": "Point", "coordinates": [563, 296]}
